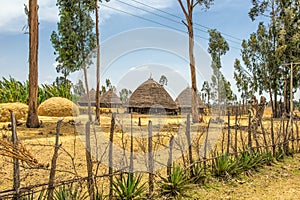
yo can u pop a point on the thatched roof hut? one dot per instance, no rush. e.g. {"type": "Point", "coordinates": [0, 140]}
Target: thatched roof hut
{"type": "Point", "coordinates": [110, 100]}
{"type": "Point", "coordinates": [83, 101]}
{"type": "Point", "coordinates": [151, 95]}
{"type": "Point", "coordinates": [184, 102]}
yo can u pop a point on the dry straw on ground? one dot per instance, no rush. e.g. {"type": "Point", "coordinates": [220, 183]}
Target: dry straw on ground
{"type": "Point", "coordinates": [19, 109]}
{"type": "Point", "coordinates": [58, 107]}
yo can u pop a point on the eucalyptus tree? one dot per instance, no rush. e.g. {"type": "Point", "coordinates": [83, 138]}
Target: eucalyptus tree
{"type": "Point", "coordinates": [188, 8]}
{"type": "Point", "coordinates": [273, 45]}
{"type": "Point", "coordinates": [243, 82]}
{"type": "Point", "coordinates": [163, 80]}
{"type": "Point", "coordinates": [75, 42]}
{"type": "Point", "coordinates": [218, 47]}
{"type": "Point", "coordinates": [32, 118]}
{"type": "Point", "coordinates": [98, 60]}
{"type": "Point", "coordinates": [206, 88]}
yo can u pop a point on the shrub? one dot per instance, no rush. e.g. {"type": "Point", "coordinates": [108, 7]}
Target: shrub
{"type": "Point", "coordinates": [175, 185]}
{"type": "Point", "coordinates": [129, 187]}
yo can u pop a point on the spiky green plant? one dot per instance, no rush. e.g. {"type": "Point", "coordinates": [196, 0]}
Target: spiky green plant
{"type": "Point", "coordinates": [67, 192]}
{"type": "Point", "coordinates": [224, 166]}
{"type": "Point", "coordinates": [40, 196]}
{"type": "Point", "coordinates": [129, 187]}
{"type": "Point", "coordinates": [199, 174]}
{"type": "Point", "coordinates": [176, 185]}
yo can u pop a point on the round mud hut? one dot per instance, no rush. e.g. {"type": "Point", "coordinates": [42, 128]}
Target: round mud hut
{"type": "Point", "coordinates": [83, 101]}
{"type": "Point", "coordinates": [151, 97]}
{"type": "Point", "coordinates": [110, 100]}
{"type": "Point", "coordinates": [184, 102]}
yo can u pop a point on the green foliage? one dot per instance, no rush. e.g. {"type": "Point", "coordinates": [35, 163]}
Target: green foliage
{"type": "Point", "coordinates": [176, 185]}
{"type": "Point", "coordinates": [74, 42]}
{"type": "Point", "coordinates": [12, 90]}
{"type": "Point", "coordinates": [30, 196]}
{"type": "Point", "coordinates": [129, 187]}
{"type": "Point", "coordinates": [243, 81]}
{"type": "Point", "coordinates": [163, 80]}
{"type": "Point", "coordinates": [67, 192]}
{"type": "Point", "coordinates": [221, 88]}
{"type": "Point", "coordinates": [199, 174]}
{"type": "Point", "coordinates": [224, 166]}
{"type": "Point", "coordinates": [125, 94]}
{"type": "Point", "coordinates": [16, 91]}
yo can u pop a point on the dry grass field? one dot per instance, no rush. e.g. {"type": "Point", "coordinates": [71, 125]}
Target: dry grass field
{"type": "Point", "coordinates": [280, 181]}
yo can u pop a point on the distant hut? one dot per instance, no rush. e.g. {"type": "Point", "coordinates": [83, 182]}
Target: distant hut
{"type": "Point", "coordinates": [184, 102]}
{"type": "Point", "coordinates": [110, 100]}
{"type": "Point", "coordinates": [83, 101]}
{"type": "Point", "coordinates": [151, 96]}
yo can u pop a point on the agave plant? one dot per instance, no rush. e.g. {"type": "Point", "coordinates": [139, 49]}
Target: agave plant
{"type": "Point", "coordinates": [70, 192]}
{"type": "Point", "coordinates": [175, 185]}
{"type": "Point", "coordinates": [224, 166]}
{"type": "Point", "coordinates": [129, 187]}
{"type": "Point", "coordinates": [30, 196]}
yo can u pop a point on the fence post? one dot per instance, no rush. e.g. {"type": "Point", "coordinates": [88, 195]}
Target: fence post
{"type": "Point", "coordinates": [205, 145]}
{"type": "Point", "coordinates": [228, 136]}
{"type": "Point", "coordinates": [110, 155]}
{"type": "Point", "coordinates": [170, 160]}
{"type": "Point", "coordinates": [236, 132]}
{"type": "Point", "coordinates": [188, 136]}
{"type": "Point", "coordinates": [131, 146]}
{"type": "Point", "coordinates": [16, 185]}
{"type": "Point", "coordinates": [150, 159]}
{"type": "Point", "coordinates": [249, 133]}
{"type": "Point", "coordinates": [89, 164]}
{"type": "Point", "coordinates": [53, 162]}
{"type": "Point", "coordinates": [272, 136]}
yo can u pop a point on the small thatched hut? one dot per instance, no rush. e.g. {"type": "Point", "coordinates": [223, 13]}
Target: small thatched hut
{"type": "Point", "coordinates": [110, 100]}
{"type": "Point", "coordinates": [184, 102]}
{"type": "Point", "coordinates": [151, 95]}
{"type": "Point", "coordinates": [83, 101]}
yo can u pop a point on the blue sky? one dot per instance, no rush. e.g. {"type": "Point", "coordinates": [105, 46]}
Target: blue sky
{"type": "Point", "coordinates": [227, 16]}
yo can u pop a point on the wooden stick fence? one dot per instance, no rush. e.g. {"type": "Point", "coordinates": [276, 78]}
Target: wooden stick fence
{"type": "Point", "coordinates": [284, 140]}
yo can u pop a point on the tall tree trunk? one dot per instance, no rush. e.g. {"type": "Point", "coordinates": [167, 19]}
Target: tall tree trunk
{"type": "Point", "coordinates": [98, 64]}
{"type": "Point", "coordinates": [32, 119]}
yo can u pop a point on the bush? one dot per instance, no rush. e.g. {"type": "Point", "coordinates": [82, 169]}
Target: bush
{"type": "Point", "coordinates": [129, 187]}
{"type": "Point", "coordinates": [175, 185]}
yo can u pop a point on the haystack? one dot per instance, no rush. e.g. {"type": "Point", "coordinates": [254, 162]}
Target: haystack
{"type": "Point", "coordinates": [110, 100]}
{"type": "Point", "coordinates": [19, 109]}
{"type": "Point", "coordinates": [83, 101]}
{"type": "Point", "coordinates": [184, 102]}
{"type": "Point", "coordinates": [58, 107]}
{"type": "Point", "coordinates": [151, 95]}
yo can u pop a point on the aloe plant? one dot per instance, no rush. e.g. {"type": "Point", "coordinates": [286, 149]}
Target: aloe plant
{"type": "Point", "coordinates": [175, 185]}
{"type": "Point", "coordinates": [129, 187]}
{"type": "Point", "coordinates": [224, 166]}
{"type": "Point", "coordinates": [68, 192]}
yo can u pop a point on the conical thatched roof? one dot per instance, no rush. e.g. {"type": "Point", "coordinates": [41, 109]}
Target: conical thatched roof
{"type": "Point", "coordinates": [110, 100]}
{"type": "Point", "coordinates": [84, 99]}
{"type": "Point", "coordinates": [184, 99]}
{"type": "Point", "coordinates": [149, 94]}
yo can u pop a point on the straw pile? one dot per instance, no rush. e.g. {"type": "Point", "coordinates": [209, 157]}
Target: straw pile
{"type": "Point", "coordinates": [19, 109]}
{"type": "Point", "coordinates": [58, 107]}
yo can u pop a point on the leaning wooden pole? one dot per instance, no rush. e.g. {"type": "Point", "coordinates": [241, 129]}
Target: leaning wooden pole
{"type": "Point", "coordinates": [53, 162]}
{"type": "Point", "coordinates": [110, 155]}
{"type": "Point", "coordinates": [89, 163]}
{"type": "Point", "coordinates": [150, 160]}
{"type": "Point", "coordinates": [188, 136]}
{"type": "Point", "coordinates": [16, 179]}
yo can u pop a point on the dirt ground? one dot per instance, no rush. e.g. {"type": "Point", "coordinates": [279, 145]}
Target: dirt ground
{"type": "Point", "coordinates": [281, 181]}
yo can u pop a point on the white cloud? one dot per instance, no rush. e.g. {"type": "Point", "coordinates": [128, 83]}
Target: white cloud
{"type": "Point", "coordinates": [13, 18]}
